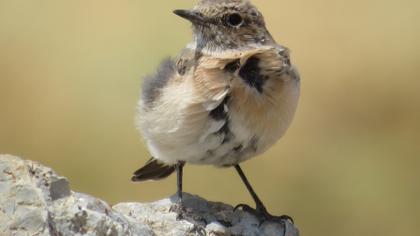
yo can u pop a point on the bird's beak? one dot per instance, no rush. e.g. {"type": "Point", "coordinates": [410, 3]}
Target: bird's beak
{"type": "Point", "coordinates": [191, 15]}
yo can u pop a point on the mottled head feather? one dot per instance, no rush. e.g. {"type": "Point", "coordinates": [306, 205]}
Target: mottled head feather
{"type": "Point", "coordinates": [229, 24]}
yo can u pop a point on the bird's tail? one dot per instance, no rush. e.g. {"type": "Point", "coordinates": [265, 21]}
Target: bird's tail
{"type": "Point", "coordinates": [153, 170]}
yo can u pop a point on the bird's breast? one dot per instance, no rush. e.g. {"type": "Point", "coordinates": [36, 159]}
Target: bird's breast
{"type": "Point", "coordinates": [257, 110]}
{"type": "Point", "coordinates": [265, 115]}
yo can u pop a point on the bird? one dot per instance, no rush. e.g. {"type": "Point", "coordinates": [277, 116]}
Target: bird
{"type": "Point", "coordinates": [228, 96]}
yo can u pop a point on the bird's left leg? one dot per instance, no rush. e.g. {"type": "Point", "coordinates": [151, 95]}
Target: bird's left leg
{"type": "Point", "coordinates": [260, 211]}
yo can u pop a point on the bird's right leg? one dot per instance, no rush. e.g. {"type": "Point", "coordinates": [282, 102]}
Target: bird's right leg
{"type": "Point", "coordinates": [182, 212]}
{"type": "Point", "coordinates": [179, 208]}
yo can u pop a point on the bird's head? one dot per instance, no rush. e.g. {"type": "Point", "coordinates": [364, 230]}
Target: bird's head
{"type": "Point", "coordinates": [220, 25]}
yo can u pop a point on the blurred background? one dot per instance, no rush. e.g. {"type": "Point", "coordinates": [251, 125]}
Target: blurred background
{"type": "Point", "coordinates": [70, 76]}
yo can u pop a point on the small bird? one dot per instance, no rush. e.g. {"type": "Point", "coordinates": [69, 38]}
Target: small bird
{"type": "Point", "coordinates": [229, 96]}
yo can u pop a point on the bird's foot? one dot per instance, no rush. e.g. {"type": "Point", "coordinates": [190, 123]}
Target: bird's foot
{"type": "Point", "coordinates": [183, 213]}
{"type": "Point", "coordinates": [262, 214]}
{"type": "Point", "coordinates": [180, 210]}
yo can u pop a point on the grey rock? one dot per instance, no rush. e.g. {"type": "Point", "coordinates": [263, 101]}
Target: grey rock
{"type": "Point", "coordinates": [34, 200]}
{"type": "Point", "coordinates": [59, 188]}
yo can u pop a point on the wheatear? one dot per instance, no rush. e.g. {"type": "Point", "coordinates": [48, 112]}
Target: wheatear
{"type": "Point", "coordinates": [228, 97]}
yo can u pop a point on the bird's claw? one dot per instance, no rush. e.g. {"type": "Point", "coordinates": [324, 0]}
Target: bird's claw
{"type": "Point", "coordinates": [184, 213]}
{"type": "Point", "coordinates": [262, 214]}
{"type": "Point", "coordinates": [180, 211]}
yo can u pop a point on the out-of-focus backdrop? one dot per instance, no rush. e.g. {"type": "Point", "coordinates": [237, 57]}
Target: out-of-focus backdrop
{"type": "Point", "coordinates": [70, 76]}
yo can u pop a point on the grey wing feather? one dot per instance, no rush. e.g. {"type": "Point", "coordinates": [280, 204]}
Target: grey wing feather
{"type": "Point", "coordinates": [153, 84]}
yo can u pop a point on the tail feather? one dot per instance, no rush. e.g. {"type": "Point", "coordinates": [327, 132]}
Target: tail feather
{"type": "Point", "coordinates": [153, 170]}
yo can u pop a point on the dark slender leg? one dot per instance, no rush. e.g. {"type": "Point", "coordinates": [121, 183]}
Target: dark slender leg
{"type": "Point", "coordinates": [179, 168]}
{"type": "Point", "coordinates": [257, 200]}
{"type": "Point", "coordinates": [260, 211]}
{"type": "Point", "coordinates": [182, 213]}
{"type": "Point", "coordinates": [179, 209]}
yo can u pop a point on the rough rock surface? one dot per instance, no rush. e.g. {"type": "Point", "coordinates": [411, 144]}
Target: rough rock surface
{"type": "Point", "coordinates": [34, 200]}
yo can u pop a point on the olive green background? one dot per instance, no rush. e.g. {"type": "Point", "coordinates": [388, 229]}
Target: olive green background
{"type": "Point", "coordinates": [70, 76]}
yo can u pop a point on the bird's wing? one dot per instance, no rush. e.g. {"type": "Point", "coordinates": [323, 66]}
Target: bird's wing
{"type": "Point", "coordinates": [152, 85]}
{"type": "Point", "coordinates": [153, 170]}
{"type": "Point", "coordinates": [178, 112]}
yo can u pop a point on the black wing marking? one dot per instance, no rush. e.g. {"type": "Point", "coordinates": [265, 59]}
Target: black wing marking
{"type": "Point", "coordinates": [251, 74]}
{"type": "Point", "coordinates": [221, 113]}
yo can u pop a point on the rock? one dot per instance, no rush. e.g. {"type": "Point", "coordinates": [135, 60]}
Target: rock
{"type": "Point", "coordinates": [34, 200]}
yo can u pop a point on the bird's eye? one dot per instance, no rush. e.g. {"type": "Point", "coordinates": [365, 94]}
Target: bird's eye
{"type": "Point", "coordinates": [234, 20]}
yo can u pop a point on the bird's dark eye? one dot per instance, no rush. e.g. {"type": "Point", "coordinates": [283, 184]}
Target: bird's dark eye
{"type": "Point", "coordinates": [234, 19]}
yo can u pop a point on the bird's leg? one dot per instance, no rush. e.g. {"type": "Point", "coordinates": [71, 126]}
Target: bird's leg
{"type": "Point", "coordinates": [260, 211]}
{"type": "Point", "coordinates": [179, 168]}
{"type": "Point", "coordinates": [180, 210]}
